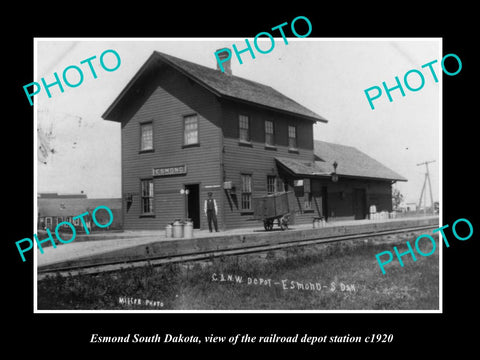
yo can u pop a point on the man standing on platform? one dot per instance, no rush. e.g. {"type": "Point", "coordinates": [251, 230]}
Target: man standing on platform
{"type": "Point", "coordinates": [211, 210]}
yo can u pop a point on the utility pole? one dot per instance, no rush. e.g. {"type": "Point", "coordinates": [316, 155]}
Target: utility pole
{"type": "Point", "coordinates": [424, 191]}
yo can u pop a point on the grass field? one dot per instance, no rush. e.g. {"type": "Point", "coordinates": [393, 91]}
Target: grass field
{"type": "Point", "coordinates": [338, 276]}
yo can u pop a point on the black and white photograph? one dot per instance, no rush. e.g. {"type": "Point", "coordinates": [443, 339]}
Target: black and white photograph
{"type": "Point", "coordinates": [222, 182]}
{"type": "Point", "coordinates": [236, 175]}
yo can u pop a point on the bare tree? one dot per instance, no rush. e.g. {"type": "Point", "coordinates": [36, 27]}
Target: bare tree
{"type": "Point", "coordinates": [397, 198]}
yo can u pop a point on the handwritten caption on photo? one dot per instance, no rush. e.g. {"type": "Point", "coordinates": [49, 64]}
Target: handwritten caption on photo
{"type": "Point", "coordinates": [285, 284]}
{"type": "Point", "coordinates": [130, 301]}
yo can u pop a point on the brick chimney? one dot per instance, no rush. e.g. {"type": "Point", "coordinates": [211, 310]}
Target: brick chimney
{"type": "Point", "coordinates": [226, 65]}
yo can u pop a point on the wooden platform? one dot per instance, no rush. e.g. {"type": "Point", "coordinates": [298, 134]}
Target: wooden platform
{"type": "Point", "coordinates": [126, 249]}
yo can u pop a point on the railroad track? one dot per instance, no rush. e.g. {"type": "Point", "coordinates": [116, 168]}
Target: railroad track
{"type": "Point", "coordinates": [160, 260]}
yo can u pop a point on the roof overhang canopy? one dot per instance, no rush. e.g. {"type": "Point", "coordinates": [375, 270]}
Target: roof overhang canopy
{"type": "Point", "coordinates": [325, 169]}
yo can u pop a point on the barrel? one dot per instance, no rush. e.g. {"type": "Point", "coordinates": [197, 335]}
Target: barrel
{"type": "Point", "coordinates": [188, 229]}
{"type": "Point", "coordinates": [169, 231]}
{"type": "Point", "coordinates": [177, 229]}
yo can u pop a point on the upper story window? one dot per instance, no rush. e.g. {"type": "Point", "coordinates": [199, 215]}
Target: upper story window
{"type": "Point", "coordinates": [146, 136]}
{"type": "Point", "coordinates": [190, 126]}
{"type": "Point", "coordinates": [244, 128]}
{"type": "Point", "coordinates": [292, 137]}
{"type": "Point", "coordinates": [269, 133]}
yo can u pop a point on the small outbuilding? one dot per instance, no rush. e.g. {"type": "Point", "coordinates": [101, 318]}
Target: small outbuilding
{"type": "Point", "coordinates": [55, 208]}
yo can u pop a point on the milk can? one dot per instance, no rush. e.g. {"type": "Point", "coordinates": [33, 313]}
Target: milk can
{"type": "Point", "coordinates": [169, 231]}
{"type": "Point", "coordinates": [177, 229]}
{"type": "Point", "coordinates": [188, 229]}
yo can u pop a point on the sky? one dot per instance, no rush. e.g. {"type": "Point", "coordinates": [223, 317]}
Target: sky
{"type": "Point", "coordinates": [79, 151]}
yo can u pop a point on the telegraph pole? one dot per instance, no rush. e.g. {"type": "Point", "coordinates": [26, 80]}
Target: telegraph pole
{"type": "Point", "coordinates": [427, 179]}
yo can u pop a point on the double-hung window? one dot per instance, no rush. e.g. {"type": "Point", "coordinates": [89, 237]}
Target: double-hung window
{"type": "Point", "coordinates": [244, 128]}
{"type": "Point", "coordinates": [307, 200]}
{"type": "Point", "coordinates": [292, 137]}
{"type": "Point", "coordinates": [271, 184]}
{"type": "Point", "coordinates": [190, 126]}
{"type": "Point", "coordinates": [246, 180]}
{"type": "Point", "coordinates": [147, 196]}
{"type": "Point", "coordinates": [269, 133]}
{"type": "Point", "coordinates": [146, 136]}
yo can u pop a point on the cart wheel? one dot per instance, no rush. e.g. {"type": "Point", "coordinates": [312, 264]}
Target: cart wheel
{"type": "Point", "coordinates": [268, 224]}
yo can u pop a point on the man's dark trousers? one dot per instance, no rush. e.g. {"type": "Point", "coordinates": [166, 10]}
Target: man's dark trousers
{"type": "Point", "coordinates": [211, 216]}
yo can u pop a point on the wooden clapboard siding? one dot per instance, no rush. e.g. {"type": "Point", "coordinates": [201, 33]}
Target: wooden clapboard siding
{"type": "Point", "coordinates": [171, 97]}
{"type": "Point", "coordinates": [167, 88]}
{"type": "Point", "coordinates": [220, 157]}
{"type": "Point", "coordinates": [341, 200]}
{"type": "Point", "coordinates": [379, 193]}
{"type": "Point", "coordinates": [256, 159]}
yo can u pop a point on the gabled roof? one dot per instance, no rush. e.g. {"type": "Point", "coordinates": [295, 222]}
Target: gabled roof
{"type": "Point", "coordinates": [351, 163]}
{"type": "Point", "coordinates": [222, 85]}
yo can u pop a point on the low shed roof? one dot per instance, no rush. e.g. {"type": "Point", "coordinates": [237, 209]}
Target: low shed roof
{"type": "Point", "coordinates": [351, 162]}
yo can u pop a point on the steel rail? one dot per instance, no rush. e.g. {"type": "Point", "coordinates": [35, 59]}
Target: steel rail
{"type": "Point", "coordinates": [160, 260]}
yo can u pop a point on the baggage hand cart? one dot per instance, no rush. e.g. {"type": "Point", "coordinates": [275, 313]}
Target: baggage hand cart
{"type": "Point", "coordinates": [271, 208]}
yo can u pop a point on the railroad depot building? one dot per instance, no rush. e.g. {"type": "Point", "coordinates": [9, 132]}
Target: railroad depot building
{"type": "Point", "coordinates": [189, 127]}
